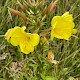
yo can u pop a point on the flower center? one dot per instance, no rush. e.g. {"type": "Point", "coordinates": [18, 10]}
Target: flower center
{"type": "Point", "coordinates": [26, 39]}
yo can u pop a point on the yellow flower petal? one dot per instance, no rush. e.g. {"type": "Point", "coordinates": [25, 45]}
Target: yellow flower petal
{"type": "Point", "coordinates": [67, 16]}
{"type": "Point", "coordinates": [54, 21]}
{"type": "Point", "coordinates": [35, 39]}
{"type": "Point", "coordinates": [26, 47]}
{"type": "Point", "coordinates": [15, 41]}
{"type": "Point", "coordinates": [52, 34]}
{"type": "Point", "coordinates": [17, 32]}
{"type": "Point", "coordinates": [8, 34]}
{"type": "Point", "coordinates": [23, 28]}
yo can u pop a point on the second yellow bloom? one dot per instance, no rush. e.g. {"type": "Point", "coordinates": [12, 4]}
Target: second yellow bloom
{"type": "Point", "coordinates": [62, 26]}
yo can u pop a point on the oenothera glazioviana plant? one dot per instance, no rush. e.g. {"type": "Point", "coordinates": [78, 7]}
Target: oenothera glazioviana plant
{"type": "Point", "coordinates": [35, 12]}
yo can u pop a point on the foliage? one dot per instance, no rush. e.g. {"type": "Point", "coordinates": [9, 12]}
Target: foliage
{"type": "Point", "coordinates": [15, 65]}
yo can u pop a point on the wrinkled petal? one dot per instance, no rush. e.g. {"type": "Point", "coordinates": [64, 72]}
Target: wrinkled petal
{"type": "Point", "coordinates": [15, 41]}
{"type": "Point", "coordinates": [8, 34]}
{"type": "Point", "coordinates": [23, 28]}
{"type": "Point", "coordinates": [26, 47]}
{"type": "Point", "coordinates": [52, 34]}
{"type": "Point", "coordinates": [63, 30]}
{"type": "Point", "coordinates": [54, 21]}
{"type": "Point", "coordinates": [18, 32]}
{"type": "Point", "coordinates": [67, 16]}
{"type": "Point", "coordinates": [61, 35]}
{"type": "Point", "coordinates": [35, 39]}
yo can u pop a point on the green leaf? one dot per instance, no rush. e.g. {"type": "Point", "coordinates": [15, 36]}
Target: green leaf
{"type": "Point", "coordinates": [50, 78]}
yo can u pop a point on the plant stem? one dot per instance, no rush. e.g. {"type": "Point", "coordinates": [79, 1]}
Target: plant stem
{"type": "Point", "coordinates": [2, 35]}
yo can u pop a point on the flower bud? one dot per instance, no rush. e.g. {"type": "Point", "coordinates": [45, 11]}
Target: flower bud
{"type": "Point", "coordinates": [18, 13]}
{"type": "Point", "coordinates": [38, 22]}
{"type": "Point", "coordinates": [44, 40]}
{"type": "Point", "coordinates": [51, 6]}
{"type": "Point", "coordinates": [21, 6]}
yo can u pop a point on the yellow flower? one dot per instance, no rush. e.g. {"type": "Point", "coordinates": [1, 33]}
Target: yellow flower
{"type": "Point", "coordinates": [26, 41]}
{"type": "Point", "coordinates": [62, 26]}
